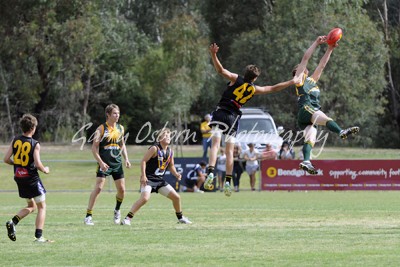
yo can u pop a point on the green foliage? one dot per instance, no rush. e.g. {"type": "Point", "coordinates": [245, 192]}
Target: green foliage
{"type": "Point", "coordinates": [65, 61]}
{"type": "Point", "coordinates": [353, 82]}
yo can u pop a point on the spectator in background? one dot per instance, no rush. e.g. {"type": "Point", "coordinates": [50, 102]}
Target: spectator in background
{"type": "Point", "coordinates": [268, 153]}
{"type": "Point", "coordinates": [237, 167]}
{"type": "Point", "coordinates": [206, 134]}
{"type": "Point", "coordinates": [196, 177]}
{"type": "Point", "coordinates": [286, 151]}
{"type": "Point", "coordinates": [221, 168]}
{"type": "Point", "coordinates": [251, 156]}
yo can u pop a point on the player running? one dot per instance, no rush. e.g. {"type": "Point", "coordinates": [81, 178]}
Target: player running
{"type": "Point", "coordinates": [309, 114]}
{"type": "Point", "coordinates": [26, 160]}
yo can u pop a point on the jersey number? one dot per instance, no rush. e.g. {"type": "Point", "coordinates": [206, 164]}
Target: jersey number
{"type": "Point", "coordinates": [21, 157]}
{"type": "Point", "coordinates": [240, 93]}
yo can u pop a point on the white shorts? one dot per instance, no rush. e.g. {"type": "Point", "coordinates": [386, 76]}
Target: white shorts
{"type": "Point", "coordinates": [38, 199]}
{"type": "Point", "coordinates": [165, 190]}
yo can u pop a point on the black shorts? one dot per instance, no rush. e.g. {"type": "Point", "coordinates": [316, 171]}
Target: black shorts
{"type": "Point", "coordinates": [30, 189]}
{"type": "Point", "coordinates": [116, 173]}
{"type": "Point", "coordinates": [190, 183]}
{"type": "Point", "coordinates": [226, 120]}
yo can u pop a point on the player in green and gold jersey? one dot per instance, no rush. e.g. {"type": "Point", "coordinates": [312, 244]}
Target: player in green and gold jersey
{"type": "Point", "coordinates": [108, 145]}
{"type": "Point", "coordinates": [310, 114]}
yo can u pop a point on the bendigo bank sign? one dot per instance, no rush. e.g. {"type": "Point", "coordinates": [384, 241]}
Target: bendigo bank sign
{"type": "Point", "coordinates": [332, 175]}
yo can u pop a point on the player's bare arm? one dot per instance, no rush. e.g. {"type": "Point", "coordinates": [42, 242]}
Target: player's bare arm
{"type": "Point", "coordinates": [95, 150]}
{"type": "Point", "coordinates": [7, 157]}
{"type": "Point", "coordinates": [307, 55]}
{"type": "Point", "coordinates": [173, 170]}
{"type": "Point", "coordinates": [125, 153]}
{"type": "Point", "coordinates": [277, 87]}
{"type": "Point", "coordinates": [151, 152]}
{"type": "Point", "coordinates": [38, 163]}
{"type": "Point", "coordinates": [218, 66]}
{"type": "Point", "coordinates": [322, 63]}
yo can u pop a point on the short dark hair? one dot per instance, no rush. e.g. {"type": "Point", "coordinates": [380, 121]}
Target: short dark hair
{"type": "Point", "coordinates": [27, 123]}
{"type": "Point", "coordinates": [203, 163]}
{"type": "Point", "coordinates": [251, 72]}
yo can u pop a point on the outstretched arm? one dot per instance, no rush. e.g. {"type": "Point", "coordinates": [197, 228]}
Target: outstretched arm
{"type": "Point", "coordinates": [218, 66]}
{"type": "Point", "coordinates": [307, 55]}
{"type": "Point", "coordinates": [322, 63]}
{"type": "Point", "coordinates": [277, 87]}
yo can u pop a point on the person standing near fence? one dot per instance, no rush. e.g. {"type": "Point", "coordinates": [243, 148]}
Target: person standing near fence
{"type": "Point", "coordinates": [26, 161]}
{"type": "Point", "coordinates": [251, 156]}
{"type": "Point", "coordinates": [237, 167]}
{"type": "Point", "coordinates": [206, 134]}
{"type": "Point", "coordinates": [108, 145]}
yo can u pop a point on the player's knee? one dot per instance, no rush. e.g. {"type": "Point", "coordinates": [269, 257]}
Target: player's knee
{"type": "Point", "coordinates": [175, 197]}
{"type": "Point", "coordinates": [121, 192]}
{"type": "Point", "coordinates": [98, 189]}
{"type": "Point", "coordinates": [145, 199]}
{"type": "Point", "coordinates": [32, 208]}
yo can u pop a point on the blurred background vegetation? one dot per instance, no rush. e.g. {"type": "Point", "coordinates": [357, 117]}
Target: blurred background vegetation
{"type": "Point", "coordinates": [65, 60]}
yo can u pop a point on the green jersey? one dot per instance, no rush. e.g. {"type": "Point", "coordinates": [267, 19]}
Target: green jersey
{"type": "Point", "coordinates": [308, 94]}
{"type": "Point", "coordinates": [111, 144]}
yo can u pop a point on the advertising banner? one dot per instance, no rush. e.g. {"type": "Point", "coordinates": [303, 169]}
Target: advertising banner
{"type": "Point", "coordinates": [332, 175]}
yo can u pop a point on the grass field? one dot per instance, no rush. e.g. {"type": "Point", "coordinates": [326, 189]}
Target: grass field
{"type": "Point", "coordinates": [248, 229]}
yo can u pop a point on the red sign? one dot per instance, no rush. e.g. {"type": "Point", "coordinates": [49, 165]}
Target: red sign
{"type": "Point", "coordinates": [332, 175]}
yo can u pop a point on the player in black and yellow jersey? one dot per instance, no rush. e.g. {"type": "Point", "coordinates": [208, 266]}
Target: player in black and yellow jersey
{"type": "Point", "coordinates": [310, 114]}
{"type": "Point", "coordinates": [158, 159]}
{"type": "Point", "coordinates": [26, 160]}
{"type": "Point", "coordinates": [226, 117]}
{"type": "Point", "coordinates": [108, 145]}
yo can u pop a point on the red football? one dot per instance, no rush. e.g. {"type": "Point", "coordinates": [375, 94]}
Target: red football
{"type": "Point", "coordinates": [334, 36]}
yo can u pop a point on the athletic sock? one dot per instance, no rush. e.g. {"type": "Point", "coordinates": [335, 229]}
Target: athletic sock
{"type": "Point", "coordinates": [38, 233]}
{"type": "Point", "coordinates": [179, 215]}
{"type": "Point", "coordinates": [333, 127]}
{"type": "Point", "coordinates": [119, 202]}
{"type": "Point", "coordinates": [307, 151]}
{"type": "Point", "coordinates": [89, 213]}
{"type": "Point", "coordinates": [130, 215]}
{"type": "Point", "coordinates": [228, 178]}
{"type": "Point", "coordinates": [16, 219]}
{"type": "Point", "coordinates": [210, 170]}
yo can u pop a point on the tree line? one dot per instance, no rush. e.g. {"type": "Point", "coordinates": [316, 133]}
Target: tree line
{"type": "Point", "coordinates": [65, 60]}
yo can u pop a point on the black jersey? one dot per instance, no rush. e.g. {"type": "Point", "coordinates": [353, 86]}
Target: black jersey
{"type": "Point", "coordinates": [24, 164]}
{"type": "Point", "coordinates": [157, 166]}
{"type": "Point", "coordinates": [236, 95]}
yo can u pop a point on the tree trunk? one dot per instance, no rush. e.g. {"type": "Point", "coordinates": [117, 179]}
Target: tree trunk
{"type": "Point", "coordinates": [39, 107]}
{"type": "Point", "coordinates": [393, 93]}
